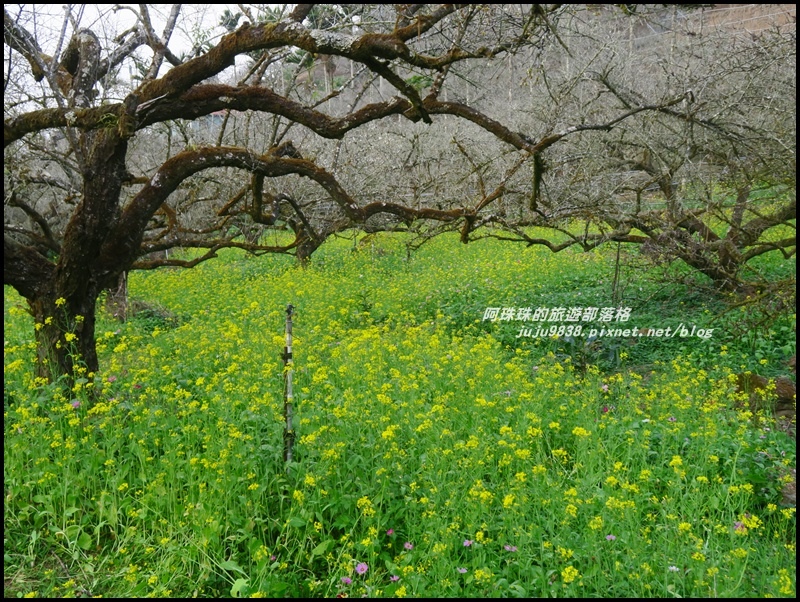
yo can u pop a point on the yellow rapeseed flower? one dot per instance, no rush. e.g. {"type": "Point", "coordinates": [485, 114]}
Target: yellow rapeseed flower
{"type": "Point", "coordinates": [569, 574]}
{"type": "Point", "coordinates": [785, 583]}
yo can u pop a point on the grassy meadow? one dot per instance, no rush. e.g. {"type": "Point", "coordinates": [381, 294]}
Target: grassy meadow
{"type": "Point", "coordinates": [437, 453]}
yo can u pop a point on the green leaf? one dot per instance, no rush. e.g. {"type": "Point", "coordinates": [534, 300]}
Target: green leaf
{"type": "Point", "coordinates": [72, 532]}
{"type": "Point", "coordinates": [84, 541]}
{"type": "Point", "coordinates": [253, 545]}
{"type": "Point", "coordinates": [342, 522]}
{"type": "Point", "coordinates": [296, 522]}
{"type": "Point", "coordinates": [230, 565]}
{"type": "Point", "coordinates": [238, 586]}
{"type": "Point", "coordinates": [322, 548]}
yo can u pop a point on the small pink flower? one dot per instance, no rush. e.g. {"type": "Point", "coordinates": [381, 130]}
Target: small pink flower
{"type": "Point", "coordinates": [76, 404]}
{"type": "Point", "coordinates": [461, 570]}
{"type": "Point", "coordinates": [610, 537]}
{"type": "Point", "coordinates": [509, 548]}
{"type": "Point", "coordinates": [361, 568]}
{"type": "Point", "coordinates": [112, 378]}
{"type": "Point", "coordinates": [408, 545]}
{"type": "Point", "coordinates": [390, 532]}
{"type": "Point", "coordinates": [394, 578]}
{"type": "Point", "coordinates": [605, 388]}
{"type": "Point", "coordinates": [347, 580]}
{"type": "Point", "coordinates": [467, 543]}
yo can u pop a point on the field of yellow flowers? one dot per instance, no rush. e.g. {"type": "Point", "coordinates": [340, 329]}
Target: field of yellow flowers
{"type": "Point", "coordinates": [437, 452]}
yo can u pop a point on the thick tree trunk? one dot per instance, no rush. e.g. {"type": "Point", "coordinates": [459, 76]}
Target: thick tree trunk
{"type": "Point", "coordinates": [304, 251]}
{"type": "Point", "coordinates": [65, 336]}
{"type": "Point", "coordinates": [64, 305]}
{"type": "Point", "coordinates": [117, 298]}
{"type": "Point", "coordinates": [722, 273]}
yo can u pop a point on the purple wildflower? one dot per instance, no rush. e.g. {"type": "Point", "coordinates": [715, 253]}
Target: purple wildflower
{"type": "Point", "coordinates": [408, 545]}
{"type": "Point", "coordinates": [361, 568]}
{"type": "Point", "coordinates": [610, 537]}
{"type": "Point", "coordinates": [347, 580]}
{"type": "Point", "coordinates": [467, 543]}
{"type": "Point", "coordinates": [394, 578]}
{"type": "Point", "coordinates": [461, 570]}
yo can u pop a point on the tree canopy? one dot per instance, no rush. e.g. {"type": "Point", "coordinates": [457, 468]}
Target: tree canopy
{"type": "Point", "coordinates": [313, 119]}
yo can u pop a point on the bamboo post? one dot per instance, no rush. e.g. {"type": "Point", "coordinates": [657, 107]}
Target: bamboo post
{"type": "Point", "coordinates": [288, 397]}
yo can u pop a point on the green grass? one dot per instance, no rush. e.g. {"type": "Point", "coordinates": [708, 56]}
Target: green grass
{"type": "Point", "coordinates": [571, 468]}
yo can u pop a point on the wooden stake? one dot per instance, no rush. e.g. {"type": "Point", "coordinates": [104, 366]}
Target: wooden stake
{"type": "Point", "coordinates": [288, 397]}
